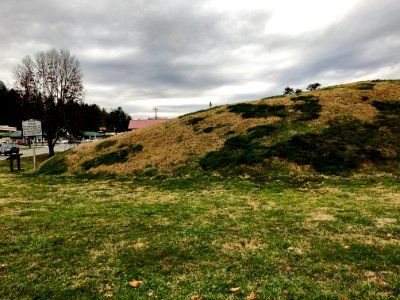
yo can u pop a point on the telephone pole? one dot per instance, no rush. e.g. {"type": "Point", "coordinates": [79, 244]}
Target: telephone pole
{"type": "Point", "coordinates": [155, 113]}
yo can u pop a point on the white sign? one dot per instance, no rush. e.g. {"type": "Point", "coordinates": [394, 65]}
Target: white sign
{"type": "Point", "coordinates": [31, 128]}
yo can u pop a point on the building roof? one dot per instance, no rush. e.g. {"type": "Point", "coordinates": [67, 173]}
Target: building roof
{"type": "Point", "coordinates": [16, 134]}
{"type": "Point", "coordinates": [93, 134]}
{"type": "Point", "coordinates": [7, 128]}
{"type": "Point", "coordinates": [137, 124]}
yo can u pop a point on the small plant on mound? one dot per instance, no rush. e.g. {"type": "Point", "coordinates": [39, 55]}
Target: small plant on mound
{"type": "Point", "coordinates": [208, 129]}
{"type": "Point", "coordinates": [106, 144]}
{"type": "Point", "coordinates": [387, 108]}
{"type": "Point", "coordinates": [194, 121]}
{"type": "Point", "coordinates": [364, 86]}
{"type": "Point", "coordinates": [238, 150]}
{"type": "Point", "coordinates": [364, 98]}
{"type": "Point", "coordinates": [230, 132]}
{"type": "Point", "coordinates": [149, 171]}
{"type": "Point", "coordinates": [54, 166]}
{"type": "Point", "coordinates": [258, 110]}
{"type": "Point", "coordinates": [261, 131]}
{"type": "Point", "coordinates": [111, 158]}
{"type": "Point", "coordinates": [339, 149]}
{"type": "Point", "coordinates": [310, 108]}
{"type": "Point", "coordinates": [107, 159]}
{"type": "Point", "coordinates": [135, 148]}
{"type": "Point", "coordinates": [305, 98]}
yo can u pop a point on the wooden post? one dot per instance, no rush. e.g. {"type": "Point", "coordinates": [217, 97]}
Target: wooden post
{"type": "Point", "coordinates": [19, 162]}
{"type": "Point", "coordinates": [11, 163]}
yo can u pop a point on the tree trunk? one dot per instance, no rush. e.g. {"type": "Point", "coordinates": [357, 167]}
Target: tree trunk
{"type": "Point", "coordinates": [51, 148]}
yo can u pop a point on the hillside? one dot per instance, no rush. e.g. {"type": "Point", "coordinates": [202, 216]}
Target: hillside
{"type": "Point", "coordinates": [339, 130]}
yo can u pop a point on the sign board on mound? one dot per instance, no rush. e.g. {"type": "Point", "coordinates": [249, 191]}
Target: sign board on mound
{"type": "Point", "coordinates": [31, 128]}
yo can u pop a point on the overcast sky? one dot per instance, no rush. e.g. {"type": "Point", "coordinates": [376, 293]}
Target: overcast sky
{"type": "Point", "coordinates": [179, 55]}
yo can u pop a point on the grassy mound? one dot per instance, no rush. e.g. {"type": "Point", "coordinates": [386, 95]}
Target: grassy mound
{"type": "Point", "coordinates": [338, 130]}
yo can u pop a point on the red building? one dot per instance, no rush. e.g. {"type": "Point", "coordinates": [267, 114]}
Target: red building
{"type": "Point", "coordinates": [137, 124]}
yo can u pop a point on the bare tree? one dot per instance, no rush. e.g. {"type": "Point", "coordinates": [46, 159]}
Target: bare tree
{"type": "Point", "coordinates": [54, 78]}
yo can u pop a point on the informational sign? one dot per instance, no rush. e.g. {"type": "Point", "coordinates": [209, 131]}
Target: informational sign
{"type": "Point", "coordinates": [31, 128]}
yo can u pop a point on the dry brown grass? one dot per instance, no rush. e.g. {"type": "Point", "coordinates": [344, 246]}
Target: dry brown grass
{"type": "Point", "coordinates": [173, 143]}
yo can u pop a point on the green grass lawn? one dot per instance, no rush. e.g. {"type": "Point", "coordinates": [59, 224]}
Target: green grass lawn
{"type": "Point", "coordinates": [197, 239]}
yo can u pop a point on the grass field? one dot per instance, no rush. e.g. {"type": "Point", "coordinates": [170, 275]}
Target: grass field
{"type": "Point", "coordinates": [65, 237]}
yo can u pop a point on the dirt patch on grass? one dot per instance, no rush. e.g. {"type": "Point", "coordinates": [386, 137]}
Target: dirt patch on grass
{"type": "Point", "coordinates": [320, 215]}
{"type": "Point", "coordinates": [242, 244]}
{"type": "Point", "coordinates": [382, 222]}
{"type": "Point", "coordinates": [379, 278]}
{"type": "Point", "coordinates": [365, 239]}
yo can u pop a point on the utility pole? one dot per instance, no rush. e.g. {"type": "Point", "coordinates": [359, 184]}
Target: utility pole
{"type": "Point", "coordinates": [155, 113]}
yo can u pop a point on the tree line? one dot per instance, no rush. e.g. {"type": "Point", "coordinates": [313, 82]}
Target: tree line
{"type": "Point", "coordinates": [49, 88]}
{"type": "Point", "coordinates": [311, 87]}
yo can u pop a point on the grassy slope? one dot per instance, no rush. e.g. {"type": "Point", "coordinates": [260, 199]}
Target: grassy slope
{"type": "Point", "coordinates": [63, 237]}
{"type": "Point", "coordinates": [169, 146]}
{"type": "Point", "coordinates": [196, 238]}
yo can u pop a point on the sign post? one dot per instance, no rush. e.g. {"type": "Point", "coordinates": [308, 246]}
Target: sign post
{"type": "Point", "coordinates": [32, 128]}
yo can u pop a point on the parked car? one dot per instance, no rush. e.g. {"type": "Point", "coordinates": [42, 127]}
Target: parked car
{"type": "Point", "coordinates": [9, 148]}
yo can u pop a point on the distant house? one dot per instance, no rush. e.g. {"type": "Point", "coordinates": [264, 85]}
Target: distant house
{"type": "Point", "coordinates": [94, 135]}
{"type": "Point", "coordinates": [5, 128]}
{"type": "Point", "coordinates": [137, 124]}
{"type": "Point", "coordinates": [7, 132]}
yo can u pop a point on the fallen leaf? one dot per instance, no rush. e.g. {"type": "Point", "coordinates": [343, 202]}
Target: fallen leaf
{"type": "Point", "coordinates": [108, 295]}
{"type": "Point", "coordinates": [251, 296]}
{"type": "Point", "coordinates": [382, 282]}
{"type": "Point", "coordinates": [235, 289]}
{"type": "Point", "coordinates": [285, 292]}
{"type": "Point", "coordinates": [370, 274]}
{"type": "Point", "coordinates": [134, 283]}
{"type": "Point", "coordinates": [346, 247]}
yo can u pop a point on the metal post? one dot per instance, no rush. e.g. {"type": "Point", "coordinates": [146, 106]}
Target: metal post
{"type": "Point", "coordinates": [34, 156]}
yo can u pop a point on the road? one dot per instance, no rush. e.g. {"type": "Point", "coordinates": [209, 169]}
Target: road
{"type": "Point", "coordinates": [42, 149]}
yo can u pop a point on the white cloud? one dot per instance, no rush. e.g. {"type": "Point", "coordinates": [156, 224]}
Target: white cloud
{"type": "Point", "coordinates": [179, 55]}
{"type": "Point", "coordinates": [297, 17]}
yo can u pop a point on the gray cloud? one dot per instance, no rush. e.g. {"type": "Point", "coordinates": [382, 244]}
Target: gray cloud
{"type": "Point", "coordinates": [178, 51]}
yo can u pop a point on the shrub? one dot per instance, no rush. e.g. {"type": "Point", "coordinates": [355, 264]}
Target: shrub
{"type": "Point", "coordinates": [149, 171]}
{"type": "Point", "coordinates": [313, 86]}
{"type": "Point", "coordinates": [387, 107]}
{"type": "Point", "coordinates": [258, 110]}
{"type": "Point", "coordinates": [288, 91]}
{"type": "Point", "coordinates": [305, 98]}
{"type": "Point", "coordinates": [106, 159]}
{"type": "Point", "coordinates": [106, 144]}
{"type": "Point", "coordinates": [179, 138]}
{"type": "Point", "coordinates": [364, 86]}
{"type": "Point", "coordinates": [208, 129]}
{"type": "Point", "coordinates": [135, 148]}
{"type": "Point", "coordinates": [261, 131]}
{"type": "Point", "coordinates": [194, 121]}
{"type": "Point", "coordinates": [338, 149]}
{"type": "Point", "coordinates": [364, 98]}
{"type": "Point", "coordinates": [230, 132]}
{"type": "Point", "coordinates": [310, 108]}
{"type": "Point", "coordinates": [54, 166]}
